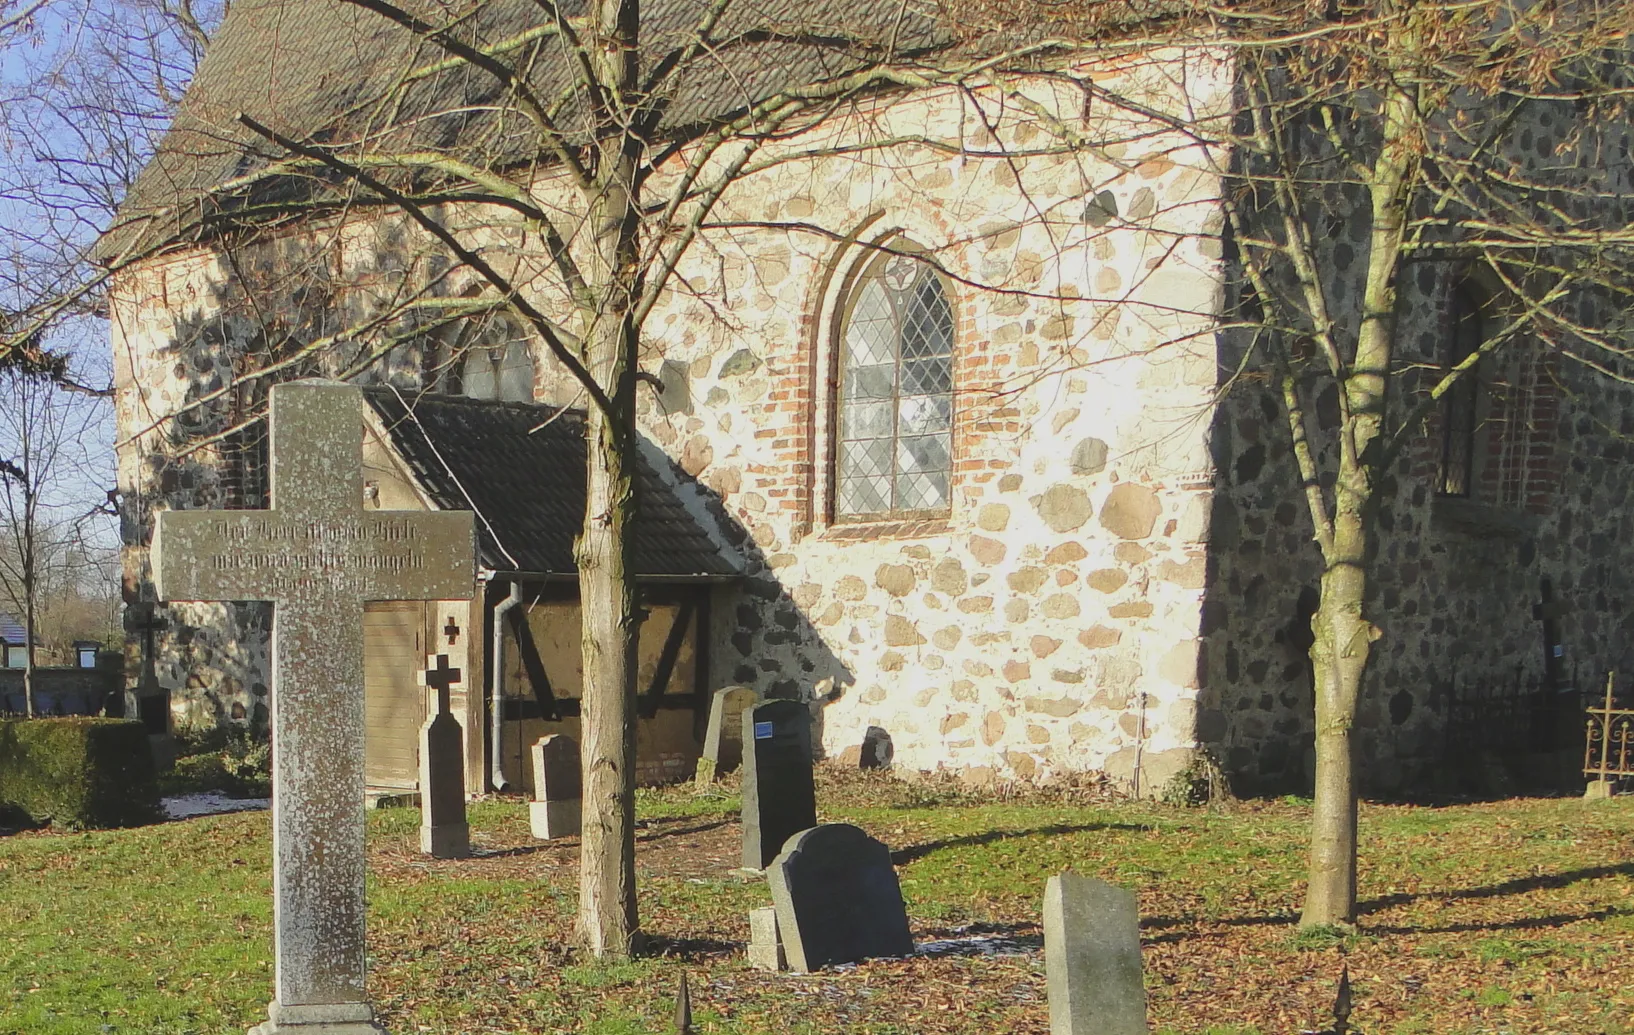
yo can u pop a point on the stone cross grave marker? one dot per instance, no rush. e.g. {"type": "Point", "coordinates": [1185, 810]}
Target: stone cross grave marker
{"type": "Point", "coordinates": [723, 738]}
{"type": "Point", "coordinates": [779, 797]}
{"type": "Point", "coordinates": [558, 788]}
{"type": "Point", "coordinates": [444, 834]}
{"type": "Point", "coordinates": [1092, 958]}
{"type": "Point", "coordinates": [317, 556]}
{"type": "Point", "coordinates": [837, 899]}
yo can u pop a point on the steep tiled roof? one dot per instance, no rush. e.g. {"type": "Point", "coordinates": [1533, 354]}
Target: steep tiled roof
{"type": "Point", "coordinates": [11, 630]}
{"type": "Point", "coordinates": [521, 468]}
{"type": "Point", "coordinates": [327, 71]}
{"type": "Point", "coordinates": [331, 72]}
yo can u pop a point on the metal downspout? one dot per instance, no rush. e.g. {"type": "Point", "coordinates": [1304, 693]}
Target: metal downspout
{"type": "Point", "coordinates": [496, 689]}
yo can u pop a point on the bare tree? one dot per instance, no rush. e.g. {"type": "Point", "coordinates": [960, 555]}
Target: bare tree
{"type": "Point", "coordinates": [46, 523]}
{"type": "Point", "coordinates": [1369, 140]}
{"type": "Point", "coordinates": [571, 204]}
{"type": "Point", "coordinates": [88, 92]}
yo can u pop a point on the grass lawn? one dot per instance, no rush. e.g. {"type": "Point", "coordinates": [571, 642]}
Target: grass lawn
{"type": "Point", "coordinates": [1507, 917]}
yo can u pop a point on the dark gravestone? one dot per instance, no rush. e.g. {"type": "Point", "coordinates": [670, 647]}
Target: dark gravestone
{"type": "Point", "coordinates": [877, 749]}
{"type": "Point", "coordinates": [837, 899]}
{"type": "Point", "coordinates": [779, 798]}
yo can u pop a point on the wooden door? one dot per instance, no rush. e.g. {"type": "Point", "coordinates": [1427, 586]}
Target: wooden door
{"type": "Point", "coordinates": [394, 701]}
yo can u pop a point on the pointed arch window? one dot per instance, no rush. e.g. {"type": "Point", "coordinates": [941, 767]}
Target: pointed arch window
{"type": "Point", "coordinates": [894, 445]}
{"type": "Point", "coordinates": [1459, 406]}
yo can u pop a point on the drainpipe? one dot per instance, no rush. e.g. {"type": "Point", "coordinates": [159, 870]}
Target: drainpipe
{"type": "Point", "coordinates": [496, 689]}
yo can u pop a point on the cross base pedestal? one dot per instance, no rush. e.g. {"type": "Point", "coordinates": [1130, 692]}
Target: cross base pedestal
{"type": "Point", "coordinates": [319, 1019]}
{"type": "Point", "coordinates": [446, 840]}
{"type": "Point", "coordinates": [1598, 790]}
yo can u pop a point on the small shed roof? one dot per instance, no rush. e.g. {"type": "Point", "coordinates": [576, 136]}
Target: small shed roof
{"type": "Point", "coordinates": [521, 468]}
{"type": "Point", "coordinates": [12, 631]}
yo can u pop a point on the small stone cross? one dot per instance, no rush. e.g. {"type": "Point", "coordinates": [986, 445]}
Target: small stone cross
{"type": "Point", "coordinates": [452, 631]}
{"type": "Point", "coordinates": [440, 679]}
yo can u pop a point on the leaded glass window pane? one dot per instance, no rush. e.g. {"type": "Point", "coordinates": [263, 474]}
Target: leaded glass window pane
{"type": "Point", "coordinates": [516, 373]}
{"type": "Point", "coordinates": [1458, 408]}
{"type": "Point", "coordinates": [478, 375]}
{"type": "Point", "coordinates": [896, 394]}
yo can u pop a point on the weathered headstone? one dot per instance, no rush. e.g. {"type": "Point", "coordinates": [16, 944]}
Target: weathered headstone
{"type": "Point", "coordinates": [837, 898]}
{"type": "Point", "coordinates": [723, 738]}
{"type": "Point", "coordinates": [779, 797]}
{"type": "Point", "coordinates": [444, 833]}
{"type": "Point", "coordinates": [1092, 958]}
{"type": "Point", "coordinates": [317, 556]}
{"type": "Point", "coordinates": [877, 749]}
{"type": "Point", "coordinates": [765, 946]}
{"type": "Point", "coordinates": [558, 793]}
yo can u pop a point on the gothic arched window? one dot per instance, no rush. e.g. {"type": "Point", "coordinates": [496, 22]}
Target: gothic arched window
{"type": "Point", "coordinates": [894, 441]}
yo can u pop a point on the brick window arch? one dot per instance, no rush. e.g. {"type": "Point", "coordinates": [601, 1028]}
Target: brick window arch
{"type": "Point", "coordinates": [894, 406]}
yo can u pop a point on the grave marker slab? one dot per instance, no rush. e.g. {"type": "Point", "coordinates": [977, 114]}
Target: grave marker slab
{"type": "Point", "coordinates": [765, 945]}
{"type": "Point", "coordinates": [1092, 958]}
{"type": "Point", "coordinates": [837, 898]}
{"type": "Point", "coordinates": [444, 833]}
{"type": "Point", "coordinates": [317, 556]}
{"type": "Point", "coordinates": [558, 789]}
{"type": "Point", "coordinates": [779, 796]}
{"type": "Point", "coordinates": [723, 737]}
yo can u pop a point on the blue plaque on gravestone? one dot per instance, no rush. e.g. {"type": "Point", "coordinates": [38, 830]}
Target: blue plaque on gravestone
{"type": "Point", "coordinates": [763, 731]}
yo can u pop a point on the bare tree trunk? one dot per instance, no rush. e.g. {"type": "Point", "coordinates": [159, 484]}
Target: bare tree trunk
{"type": "Point", "coordinates": [28, 647]}
{"type": "Point", "coordinates": [1343, 636]}
{"type": "Point", "coordinates": [1339, 660]}
{"type": "Point", "coordinates": [609, 924]}
{"type": "Point", "coordinates": [608, 921]}
{"type": "Point", "coordinates": [30, 560]}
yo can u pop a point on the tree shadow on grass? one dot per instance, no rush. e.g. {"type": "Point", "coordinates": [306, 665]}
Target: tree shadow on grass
{"type": "Point", "coordinates": [690, 950]}
{"type": "Point", "coordinates": [1159, 923]}
{"type": "Point", "coordinates": [505, 853]}
{"type": "Point", "coordinates": [701, 828]}
{"type": "Point", "coordinates": [912, 853]}
{"type": "Point", "coordinates": [979, 940]}
{"type": "Point", "coordinates": [1518, 886]}
{"type": "Point", "coordinates": [1525, 923]}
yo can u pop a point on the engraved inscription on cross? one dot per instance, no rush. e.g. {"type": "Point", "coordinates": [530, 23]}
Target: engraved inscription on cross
{"type": "Point", "coordinates": [317, 556]}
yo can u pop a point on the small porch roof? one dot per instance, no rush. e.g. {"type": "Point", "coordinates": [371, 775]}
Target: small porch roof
{"type": "Point", "coordinates": [520, 467]}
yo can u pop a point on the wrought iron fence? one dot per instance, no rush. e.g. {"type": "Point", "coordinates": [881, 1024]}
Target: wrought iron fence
{"type": "Point", "coordinates": [1511, 732]}
{"type": "Point", "coordinates": [1518, 714]}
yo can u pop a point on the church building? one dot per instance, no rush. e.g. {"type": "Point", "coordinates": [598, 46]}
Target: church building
{"type": "Point", "coordinates": [948, 442]}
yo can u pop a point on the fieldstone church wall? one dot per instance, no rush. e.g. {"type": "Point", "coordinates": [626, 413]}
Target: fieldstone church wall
{"type": "Point", "coordinates": [1124, 573]}
{"type": "Point", "coordinates": [1456, 577]}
